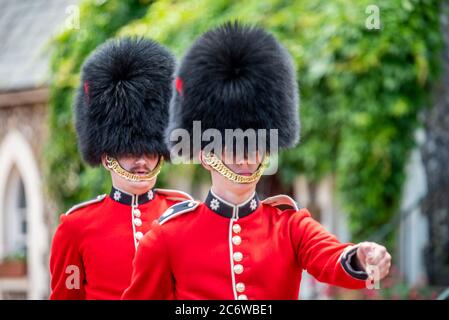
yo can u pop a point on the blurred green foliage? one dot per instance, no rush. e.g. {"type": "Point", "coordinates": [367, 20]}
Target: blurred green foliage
{"type": "Point", "coordinates": [361, 90]}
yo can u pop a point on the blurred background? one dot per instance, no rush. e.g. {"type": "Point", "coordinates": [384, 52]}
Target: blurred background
{"type": "Point", "coordinates": [374, 153]}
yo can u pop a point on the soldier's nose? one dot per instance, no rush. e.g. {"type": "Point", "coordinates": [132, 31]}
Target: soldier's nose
{"type": "Point", "coordinates": [240, 161]}
{"type": "Point", "coordinates": [140, 160]}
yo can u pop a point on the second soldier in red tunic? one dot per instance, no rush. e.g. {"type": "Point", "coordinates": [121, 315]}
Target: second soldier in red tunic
{"type": "Point", "coordinates": [233, 245]}
{"type": "Point", "coordinates": [121, 113]}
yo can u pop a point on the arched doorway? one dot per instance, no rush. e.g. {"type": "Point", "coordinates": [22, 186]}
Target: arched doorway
{"type": "Point", "coordinates": [13, 265]}
{"type": "Point", "coordinates": [23, 233]}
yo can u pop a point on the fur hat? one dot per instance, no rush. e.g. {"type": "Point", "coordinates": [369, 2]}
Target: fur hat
{"type": "Point", "coordinates": [236, 77]}
{"type": "Point", "coordinates": [122, 103]}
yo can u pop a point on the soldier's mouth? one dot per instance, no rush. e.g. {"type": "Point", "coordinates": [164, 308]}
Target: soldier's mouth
{"type": "Point", "coordinates": [244, 173]}
{"type": "Point", "coordinates": [141, 172]}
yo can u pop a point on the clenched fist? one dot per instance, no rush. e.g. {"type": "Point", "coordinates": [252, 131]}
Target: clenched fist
{"type": "Point", "coordinates": [374, 259]}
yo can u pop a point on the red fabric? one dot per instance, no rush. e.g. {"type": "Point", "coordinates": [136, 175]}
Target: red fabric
{"type": "Point", "coordinates": [179, 85]}
{"type": "Point", "coordinates": [99, 240]}
{"type": "Point", "coordinates": [189, 256]}
{"type": "Point", "coordinates": [86, 88]}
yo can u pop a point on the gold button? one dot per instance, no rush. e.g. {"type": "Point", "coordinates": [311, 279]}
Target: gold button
{"type": "Point", "coordinates": [137, 222]}
{"type": "Point", "coordinates": [238, 268]}
{"type": "Point", "coordinates": [139, 235]}
{"type": "Point", "coordinates": [242, 297]}
{"type": "Point", "coordinates": [237, 256]}
{"type": "Point", "coordinates": [236, 240]}
{"type": "Point", "coordinates": [236, 228]}
{"type": "Point", "coordinates": [240, 287]}
{"type": "Point", "coordinates": [137, 213]}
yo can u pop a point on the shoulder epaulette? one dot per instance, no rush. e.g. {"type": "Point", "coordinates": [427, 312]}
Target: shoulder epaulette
{"type": "Point", "coordinates": [282, 200]}
{"type": "Point", "coordinates": [86, 203]}
{"type": "Point", "coordinates": [174, 195]}
{"type": "Point", "coordinates": [178, 209]}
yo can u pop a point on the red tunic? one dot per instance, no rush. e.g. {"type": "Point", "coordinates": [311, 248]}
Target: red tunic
{"type": "Point", "coordinates": [215, 250]}
{"type": "Point", "coordinates": [93, 247]}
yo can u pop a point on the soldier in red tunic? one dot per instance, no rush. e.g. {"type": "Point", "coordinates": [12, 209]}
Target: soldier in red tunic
{"type": "Point", "coordinates": [233, 245]}
{"type": "Point", "coordinates": [121, 112]}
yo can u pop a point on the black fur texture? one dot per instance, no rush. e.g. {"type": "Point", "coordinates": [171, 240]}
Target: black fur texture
{"type": "Point", "coordinates": [237, 76]}
{"type": "Point", "coordinates": [123, 101]}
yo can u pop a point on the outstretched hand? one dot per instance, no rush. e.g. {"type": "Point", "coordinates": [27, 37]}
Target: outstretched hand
{"type": "Point", "coordinates": [374, 259]}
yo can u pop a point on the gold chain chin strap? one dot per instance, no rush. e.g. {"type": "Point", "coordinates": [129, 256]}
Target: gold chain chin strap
{"type": "Point", "coordinates": [113, 164]}
{"type": "Point", "coordinates": [212, 160]}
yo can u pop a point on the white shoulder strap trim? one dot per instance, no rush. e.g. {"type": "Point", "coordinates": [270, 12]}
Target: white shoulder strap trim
{"type": "Point", "coordinates": [85, 203]}
{"type": "Point", "coordinates": [281, 199]}
{"type": "Point", "coordinates": [175, 195]}
{"type": "Point", "coordinates": [177, 210]}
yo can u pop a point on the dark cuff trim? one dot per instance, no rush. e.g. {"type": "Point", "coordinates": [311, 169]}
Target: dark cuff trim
{"type": "Point", "coordinates": [350, 265]}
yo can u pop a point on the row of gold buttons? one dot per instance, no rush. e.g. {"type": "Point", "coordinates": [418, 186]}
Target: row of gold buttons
{"type": "Point", "coordinates": [238, 256]}
{"type": "Point", "coordinates": [137, 222]}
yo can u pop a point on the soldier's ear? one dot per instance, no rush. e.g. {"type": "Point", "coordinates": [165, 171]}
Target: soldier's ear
{"type": "Point", "coordinates": [103, 162]}
{"type": "Point", "coordinates": [201, 155]}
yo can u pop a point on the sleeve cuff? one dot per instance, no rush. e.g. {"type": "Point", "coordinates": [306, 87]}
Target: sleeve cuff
{"type": "Point", "coordinates": [350, 264]}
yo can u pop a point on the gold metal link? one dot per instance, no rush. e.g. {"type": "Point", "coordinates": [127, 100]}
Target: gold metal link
{"type": "Point", "coordinates": [113, 164]}
{"type": "Point", "coordinates": [213, 161]}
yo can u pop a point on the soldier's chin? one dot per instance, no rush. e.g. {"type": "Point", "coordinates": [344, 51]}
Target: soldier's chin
{"type": "Point", "coordinates": [143, 184]}
{"type": "Point", "coordinates": [244, 186]}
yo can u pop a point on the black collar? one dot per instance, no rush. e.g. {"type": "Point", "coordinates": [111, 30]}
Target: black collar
{"type": "Point", "coordinates": [130, 199]}
{"type": "Point", "coordinates": [228, 210]}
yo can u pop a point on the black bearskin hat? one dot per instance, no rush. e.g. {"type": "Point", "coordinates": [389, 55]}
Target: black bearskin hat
{"type": "Point", "coordinates": [236, 77]}
{"type": "Point", "coordinates": [122, 103]}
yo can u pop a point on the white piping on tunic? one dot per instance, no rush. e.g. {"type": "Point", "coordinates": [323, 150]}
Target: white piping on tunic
{"type": "Point", "coordinates": [232, 261]}
{"type": "Point", "coordinates": [171, 216]}
{"type": "Point", "coordinates": [85, 203]}
{"type": "Point", "coordinates": [235, 217]}
{"type": "Point", "coordinates": [234, 206]}
{"type": "Point", "coordinates": [129, 194]}
{"type": "Point", "coordinates": [188, 196]}
{"type": "Point", "coordinates": [231, 250]}
{"type": "Point", "coordinates": [134, 205]}
{"type": "Point", "coordinates": [281, 199]}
